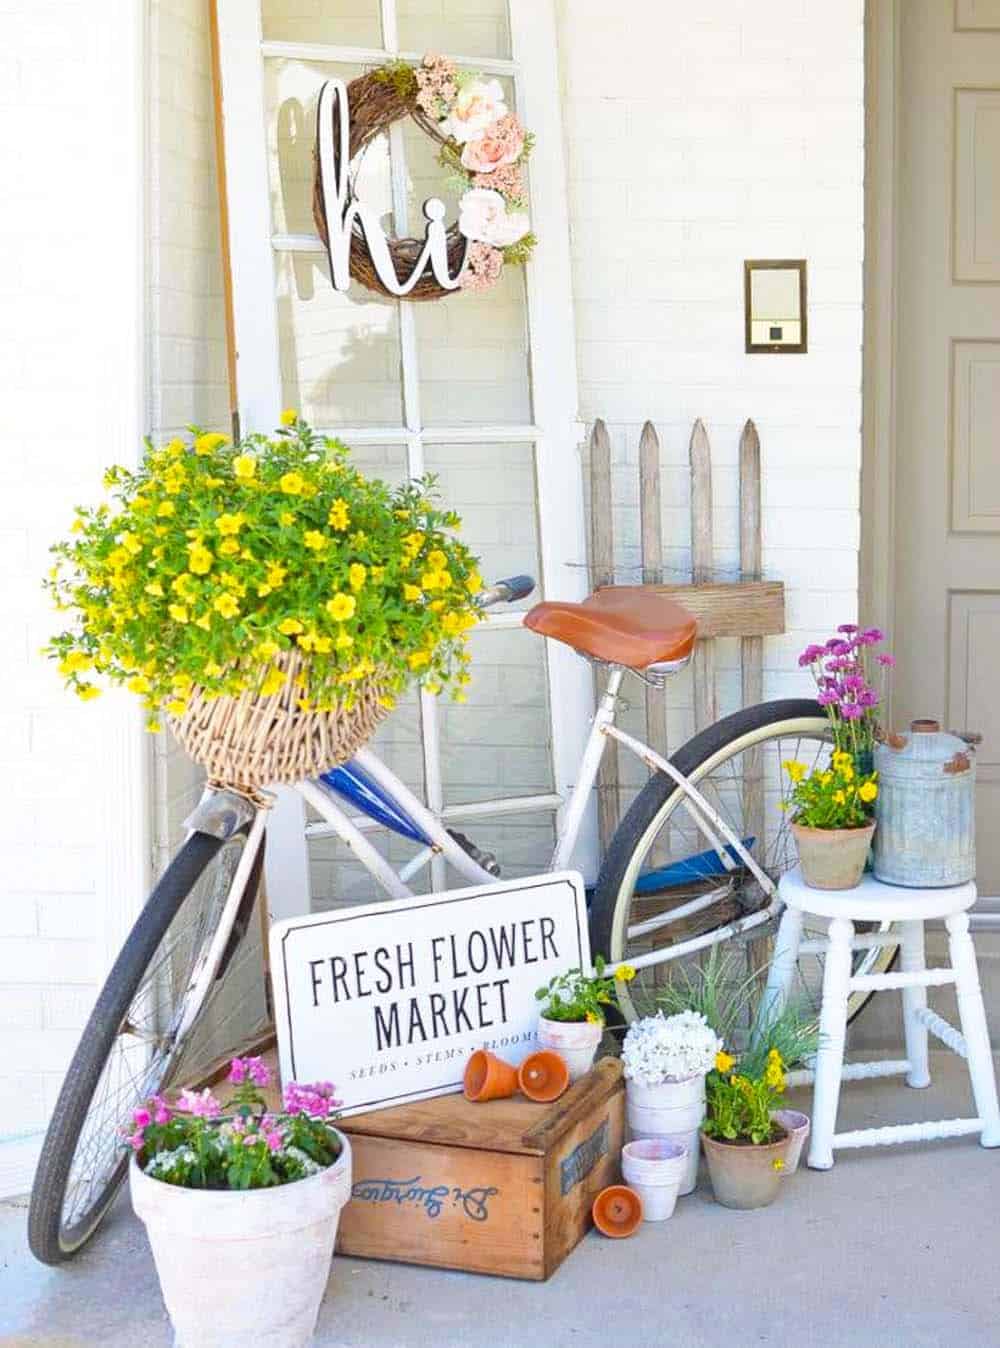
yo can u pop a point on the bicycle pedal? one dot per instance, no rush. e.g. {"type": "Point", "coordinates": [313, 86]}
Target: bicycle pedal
{"type": "Point", "coordinates": [487, 860]}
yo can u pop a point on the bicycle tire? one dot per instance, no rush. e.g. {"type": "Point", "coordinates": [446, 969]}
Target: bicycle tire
{"type": "Point", "coordinates": [49, 1239]}
{"type": "Point", "coordinates": [660, 796]}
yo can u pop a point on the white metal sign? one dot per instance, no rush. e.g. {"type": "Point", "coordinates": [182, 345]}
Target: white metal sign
{"type": "Point", "coordinates": [388, 1000]}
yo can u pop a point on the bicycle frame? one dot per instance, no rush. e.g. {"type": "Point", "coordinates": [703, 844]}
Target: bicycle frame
{"type": "Point", "coordinates": [385, 802]}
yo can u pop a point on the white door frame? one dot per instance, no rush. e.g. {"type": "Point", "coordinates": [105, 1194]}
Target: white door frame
{"type": "Point", "coordinates": [555, 431]}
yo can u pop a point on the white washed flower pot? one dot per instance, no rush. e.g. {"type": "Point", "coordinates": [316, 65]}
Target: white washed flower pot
{"type": "Point", "coordinates": [796, 1125]}
{"type": "Point", "coordinates": [244, 1267]}
{"type": "Point", "coordinates": [574, 1040]}
{"type": "Point", "coordinates": [673, 1110]}
{"type": "Point", "coordinates": [654, 1167]}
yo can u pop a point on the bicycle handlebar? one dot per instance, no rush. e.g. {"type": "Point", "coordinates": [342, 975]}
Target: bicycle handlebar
{"type": "Point", "coordinates": [507, 591]}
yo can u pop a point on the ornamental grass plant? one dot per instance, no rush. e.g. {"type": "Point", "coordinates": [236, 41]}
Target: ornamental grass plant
{"type": "Point", "coordinates": [227, 569]}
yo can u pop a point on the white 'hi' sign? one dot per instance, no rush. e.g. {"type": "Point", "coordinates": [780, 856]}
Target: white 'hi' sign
{"type": "Point", "coordinates": [388, 1000]}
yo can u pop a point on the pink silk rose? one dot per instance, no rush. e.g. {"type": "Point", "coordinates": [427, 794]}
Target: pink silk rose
{"type": "Point", "coordinates": [500, 144]}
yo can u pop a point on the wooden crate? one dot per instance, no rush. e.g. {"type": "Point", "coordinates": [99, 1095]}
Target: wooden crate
{"type": "Point", "coordinates": [504, 1187]}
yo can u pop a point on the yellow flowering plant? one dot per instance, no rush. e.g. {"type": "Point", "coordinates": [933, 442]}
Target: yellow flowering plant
{"type": "Point", "coordinates": [214, 561]}
{"type": "Point", "coordinates": [834, 797]}
{"type": "Point", "coordinates": [740, 1102]}
{"type": "Point", "coordinates": [576, 996]}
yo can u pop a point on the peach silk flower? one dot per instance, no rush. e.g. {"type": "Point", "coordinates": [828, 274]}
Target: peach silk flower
{"type": "Point", "coordinates": [500, 144]}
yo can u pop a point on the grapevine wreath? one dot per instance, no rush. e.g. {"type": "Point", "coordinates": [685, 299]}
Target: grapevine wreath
{"type": "Point", "coordinates": [482, 144]}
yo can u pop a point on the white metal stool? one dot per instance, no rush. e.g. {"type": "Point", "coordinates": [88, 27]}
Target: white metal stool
{"type": "Point", "coordinates": [907, 910]}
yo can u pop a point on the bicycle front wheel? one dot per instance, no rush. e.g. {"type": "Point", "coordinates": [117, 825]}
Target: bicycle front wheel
{"type": "Point", "coordinates": [662, 884]}
{"type": "Point", "coordinates": [131, 1048]}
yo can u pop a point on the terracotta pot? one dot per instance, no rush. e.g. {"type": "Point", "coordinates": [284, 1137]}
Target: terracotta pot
{"type": "Point", "coordinates": [796, 1125]}
{"type": "Point", "coordinates": [617, 1211]}
{"type": "Point", "coordinates": [743, 1175]}
{"type": "Point", "coordinates": [488, 1077]}
{"type": "Point", "coordinates": [575, 1040]}
{"type": "Point", "coordinates": [543, 1076]}
{"type": "Point", "coordinates": [833, 858]}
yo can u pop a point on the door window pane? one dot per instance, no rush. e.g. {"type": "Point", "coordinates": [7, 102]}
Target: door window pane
{"type": "Point", "coordinates": [342, 23]}
{"type": "Point", "coordinates": [340, 353]}
{"type": "Point", "coordinates": [493, 489]}
{"type": "Point", "coordinates": [497, 743]}
{"type": "Point", "coordinates": [463, 27]}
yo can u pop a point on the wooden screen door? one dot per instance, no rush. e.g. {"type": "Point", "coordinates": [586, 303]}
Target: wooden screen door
{"type": "Point", "coordinates": [480, 390]}
{"type": "Point", "coordinates": [947, 480]}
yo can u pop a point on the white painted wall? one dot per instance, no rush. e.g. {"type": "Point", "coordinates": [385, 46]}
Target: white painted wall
{"type": "Point", "coordinates": [73, 807]}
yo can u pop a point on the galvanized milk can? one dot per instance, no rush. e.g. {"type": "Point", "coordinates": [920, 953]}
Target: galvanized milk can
{"type": "Point", "coordinates": [925, 809]}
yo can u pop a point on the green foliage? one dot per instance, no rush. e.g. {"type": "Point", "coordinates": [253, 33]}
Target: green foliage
{"type": "Point", "coordinates": [721, 989]}
{"type": "Point", "coordinates": [516, 254]}
{"type": "Point", "coordinates": [834, 797]}
{"type": "Point", "coordinates": [214, 561]}
{"type": "Point", "coordinates": [401, 76]}
{"type": "Point", "coordinates": [576, 996]}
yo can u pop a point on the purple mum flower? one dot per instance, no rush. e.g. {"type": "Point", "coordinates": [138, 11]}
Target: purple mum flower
{"type": "Point", "coordinates": [851, 711]}
{"type": "Point", "coordinates": [847, 628]}
{"type": "Point", "coordinates": [886, 660]}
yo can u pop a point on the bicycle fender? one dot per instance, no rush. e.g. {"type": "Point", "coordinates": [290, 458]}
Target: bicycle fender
{"type": "Point", "coordinates": [220, 814]}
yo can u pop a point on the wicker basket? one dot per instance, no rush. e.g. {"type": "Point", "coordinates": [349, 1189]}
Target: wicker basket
{"type": "Point", "coordinates": [248, 741]}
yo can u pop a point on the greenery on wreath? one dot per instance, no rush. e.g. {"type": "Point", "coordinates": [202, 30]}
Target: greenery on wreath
{"type": "Point", "coordinates": [576, 996]}
{"type": "Point", "coordinates": [194, 1145]}
{"type": "Point", "coordinates": [831, 798]}
{"type": "Point", "coordinates": [213, 561]}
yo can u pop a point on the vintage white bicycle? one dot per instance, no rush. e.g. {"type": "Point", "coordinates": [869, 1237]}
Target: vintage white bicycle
{"type": "Point", "coordinates": [694, 862]}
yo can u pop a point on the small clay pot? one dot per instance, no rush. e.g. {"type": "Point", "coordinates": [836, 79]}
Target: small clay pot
{"type": "Point", "coordinates": [833, 858]}
{"type": "Point", "coordinates": [617, 1211]}
{"type": "Point", "coordinates": [543, 1076]}
{"type": "Point", "coordinates": [745, 1175]}
{"type": "Point", "coordinates": [488, 1077]}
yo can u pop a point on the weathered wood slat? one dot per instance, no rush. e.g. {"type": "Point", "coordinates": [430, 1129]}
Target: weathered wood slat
{"type": "Point", "coordinates": [651, 528]}
{"type": "Point", "coordinates": [602, 562]}
{"type": "Point", "coordinates": [752, 662]}
{"type": "Point", "coordinates": [703, 665]}
{"type": "Point", "coordinates": [732, 608]}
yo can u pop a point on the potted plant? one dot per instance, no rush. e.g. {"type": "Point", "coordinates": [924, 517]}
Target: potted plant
{"type": "Point", "coordinates": [573, 1014]}
{"type": "Point", "coordinates": [833, 820]}
{"type": "Point", "coordinates": [264, 597]}
{"type": "Point", "coordinates": [746, 1148]}
{"type": "Point", "coordinates": [666, 1059]}
{"type": "Point", "coordinates": [241, 1207]}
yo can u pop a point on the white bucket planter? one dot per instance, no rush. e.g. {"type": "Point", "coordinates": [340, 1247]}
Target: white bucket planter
{"type": "Point", "coordinates": [654, 1167]}
{"type": "Point", "coordinates": [574, 1040]}
{"type": "Point", "coordinates": [796, 1125]}
{"type": "Point", "coordinates": [244, 1267]}
{"type": "Point", "coordinates": [673, 1110]}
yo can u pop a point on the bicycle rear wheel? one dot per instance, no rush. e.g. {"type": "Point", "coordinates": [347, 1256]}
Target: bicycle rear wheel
{"type": "Point", "coordinates": [130, 1047]}
{"type": "Point", "coordinates": [659, 863]}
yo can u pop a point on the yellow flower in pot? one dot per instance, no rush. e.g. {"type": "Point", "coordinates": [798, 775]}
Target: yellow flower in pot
{"type": "Point", "coordinates": [266, 595]}
{"type": "Point", "coordinates": [832, 820]}
{"type": "Point", "coordinates": [744, 1145]}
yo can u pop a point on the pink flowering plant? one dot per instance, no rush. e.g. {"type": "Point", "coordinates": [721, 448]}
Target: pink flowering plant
{"type": "Point", "coordinates": [851, 680]}
{"type": "Point", "coordinates": [195, 1144]}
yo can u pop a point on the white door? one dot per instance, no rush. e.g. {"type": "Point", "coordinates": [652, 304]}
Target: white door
{"type": "Point", "coordinates": [480, 390]}
{"type": "Point", "coordinates": [947, 506]}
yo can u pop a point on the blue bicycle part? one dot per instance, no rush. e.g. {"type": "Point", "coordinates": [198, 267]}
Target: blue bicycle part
{"type": "Point", "coordinates": [703, 866]}
{"type": "Point", "coordinates": [355, 785]}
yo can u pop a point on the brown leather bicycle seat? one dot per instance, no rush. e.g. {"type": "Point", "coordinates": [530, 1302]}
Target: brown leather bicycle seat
{"type": "Point", "coordinates": [622, 624]}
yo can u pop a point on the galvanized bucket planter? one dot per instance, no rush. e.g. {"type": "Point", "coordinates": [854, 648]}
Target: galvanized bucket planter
{"type": "Point", "coordinates": [925, 809]}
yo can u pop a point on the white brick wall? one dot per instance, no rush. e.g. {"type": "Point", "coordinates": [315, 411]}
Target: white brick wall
{"type": "Point", "coordinates": [698, 137]}
{"type": "Point", "coordinates": [66, 409]}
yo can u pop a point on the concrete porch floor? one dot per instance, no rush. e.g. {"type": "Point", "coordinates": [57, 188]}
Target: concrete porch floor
{"type": "Point", "coordinates": [894, 1246]}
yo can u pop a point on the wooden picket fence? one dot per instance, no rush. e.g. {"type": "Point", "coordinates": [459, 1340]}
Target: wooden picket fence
{"type": "Point", "coordinates": [749, 607]}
